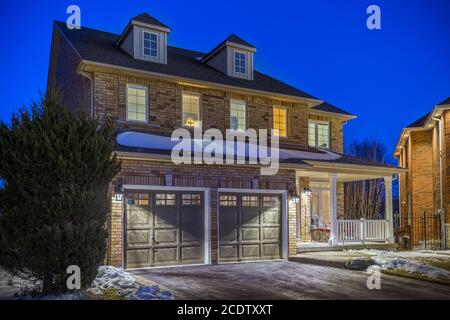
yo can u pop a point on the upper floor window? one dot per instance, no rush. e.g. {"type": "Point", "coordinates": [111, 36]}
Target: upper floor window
{"type": "Point", "coordinates": [280, 120]}
{"type": "Point", "coordinates": [150, 45]}
{"type": "Point", "coordinates": [191, 110]}
{"type": "Point", "coordinates": [240, 62]}
{"type": "Point", "coordinates": [319, 134]}
{"type": "Point", "coordinates": [238, 111]}
{"type": "Point", "coordinates": [137, 98]}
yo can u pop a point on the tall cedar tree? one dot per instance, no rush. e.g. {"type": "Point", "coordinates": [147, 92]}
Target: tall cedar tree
{"type": "Point", "coordinates": [56, 168]}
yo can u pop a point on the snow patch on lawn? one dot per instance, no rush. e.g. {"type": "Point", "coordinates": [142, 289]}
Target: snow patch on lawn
{"type": "Point", "coordinates": [409, 261]}
{"type": "Point", "coordinates": [117, 279]}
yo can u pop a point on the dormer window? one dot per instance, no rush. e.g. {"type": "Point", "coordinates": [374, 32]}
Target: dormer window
{"type": "Point", "coordinates": [150, 44]}
{"type": "Point", "coordinates": [240, 62]}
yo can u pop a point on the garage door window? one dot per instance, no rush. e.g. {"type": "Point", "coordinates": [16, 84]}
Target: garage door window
{"type": "Point", "coordinates": [228, 201]}
{"type": "Point", "coordinates": [249, 201]}
{"type": "Point", "coordinates": [191, 200]}
{"type": "Point", "coordinates": [165, 199]}
{"type": "Point", "coordinates": [140, 199]}
{"type": "Point", "coordinates": [270, 202]}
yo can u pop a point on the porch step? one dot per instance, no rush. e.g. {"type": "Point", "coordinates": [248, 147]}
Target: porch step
{"type": "Point", "coordinates": [342, 247]}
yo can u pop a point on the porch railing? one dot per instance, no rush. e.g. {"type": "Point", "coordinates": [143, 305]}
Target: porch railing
{"type": "Point", "coordinates": [362, 230]}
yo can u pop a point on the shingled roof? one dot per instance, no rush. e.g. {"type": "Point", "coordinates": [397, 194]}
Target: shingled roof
{"type": "Point", "coordinates": [330, 108]}
{"type": "Point", "coordinates": [100, 47]}
{"type": "Point", "coordinates": [148, 19]}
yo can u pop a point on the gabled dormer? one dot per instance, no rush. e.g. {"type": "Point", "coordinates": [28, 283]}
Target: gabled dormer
{"type": "Point", "coordinates": [145, 38]}
{"type": "Point", "coordinates": [233, 56]}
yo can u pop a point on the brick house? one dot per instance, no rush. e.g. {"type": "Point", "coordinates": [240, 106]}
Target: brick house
{"type": "Point", "coordinates": [167, 214]}
{"type": "Point", "coordinates": [424, 150]}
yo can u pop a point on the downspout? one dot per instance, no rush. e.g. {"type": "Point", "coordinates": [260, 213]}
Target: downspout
{"type": "Point", "coordinates": [91, 80]}
{"type": "Point", "coordinates": [441, 190]}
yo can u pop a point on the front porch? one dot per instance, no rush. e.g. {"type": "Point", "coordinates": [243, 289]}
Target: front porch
{"type": "Point", "coordinates": [321, 222]}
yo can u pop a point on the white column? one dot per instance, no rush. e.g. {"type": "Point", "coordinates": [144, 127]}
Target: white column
{"type": "Point", "coordinates": [388, 211]}
{"type": "Point", "coordinates": [333, 210]}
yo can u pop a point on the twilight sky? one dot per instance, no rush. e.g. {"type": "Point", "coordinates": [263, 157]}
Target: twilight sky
{"type": "Point", "coordinates": [388, 77]}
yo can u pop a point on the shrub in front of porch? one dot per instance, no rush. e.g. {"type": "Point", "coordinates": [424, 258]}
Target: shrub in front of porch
{"type": "Point", "coordinates": [56, 168]}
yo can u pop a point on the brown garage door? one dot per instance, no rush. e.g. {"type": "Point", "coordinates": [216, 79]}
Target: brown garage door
{"type": "Point", "coordinates": [163, 228]}
{"type": "Point", "coordinates": [249, 227]}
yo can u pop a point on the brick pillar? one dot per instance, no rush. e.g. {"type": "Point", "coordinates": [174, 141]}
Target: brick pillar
{"type": "Point", "coordinates": [292, 227]}
{"type": "Point", "coordinates": [115, 233]}
{"type": "Point", "coordinates": [305, 211]}
{"type": "Point", "coordinates": [213, 223]}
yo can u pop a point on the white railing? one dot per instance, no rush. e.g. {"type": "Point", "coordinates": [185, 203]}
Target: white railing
{"type": "Point", "coordinates": [362, 230]}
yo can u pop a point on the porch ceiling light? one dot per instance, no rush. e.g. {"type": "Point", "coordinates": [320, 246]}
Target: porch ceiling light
{"type": "Point", "coordinates": [119, 192]}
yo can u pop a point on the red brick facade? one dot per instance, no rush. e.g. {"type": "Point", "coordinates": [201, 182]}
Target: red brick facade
{"type": "Point", "coordinates": [420, 187]}
{"type": "Point", "coordinates": [165, 111]}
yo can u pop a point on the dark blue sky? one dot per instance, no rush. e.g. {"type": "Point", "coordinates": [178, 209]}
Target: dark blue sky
{"type": "Point", "coordinates": [387, 77]}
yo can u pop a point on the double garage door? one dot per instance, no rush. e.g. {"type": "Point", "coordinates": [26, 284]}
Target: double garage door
{"type": "Point", "coordinates": [164, 228]}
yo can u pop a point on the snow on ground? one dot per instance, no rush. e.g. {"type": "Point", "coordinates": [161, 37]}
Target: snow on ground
{"type": "Point", "coordinates": [109, 281]}
{"type": "Point", "coordinates": [410, 261]}
{"type": "Point", "coordinates": [117, 279]}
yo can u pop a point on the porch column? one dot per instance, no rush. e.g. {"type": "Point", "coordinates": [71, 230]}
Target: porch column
{"type": "Point", "coordinates": [333, 210]}
{"type": "Point", "coordinates": [388, 211]}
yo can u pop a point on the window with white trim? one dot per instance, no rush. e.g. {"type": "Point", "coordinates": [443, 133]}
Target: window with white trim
{"type": "Point", "coordinates": [238, 115]}
{"type": "Point", "coordinates": [319, 134]}
{"type": "Point", "coordinates": [240, 62]}
{"type": "Point", "coordinates": [280, 120]}
{"type": "Point", "coordinates": [150, 44]}
{"type": "Point", "coordinates": [137, 100]}
{"type": "Point", "coordinates": [191, 110]}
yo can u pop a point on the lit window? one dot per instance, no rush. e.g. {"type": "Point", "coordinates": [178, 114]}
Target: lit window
{"type": "Point", "coordinates": [228, 201]}
{"type": "Point", "coordinates": [150, 45]}
{"type": "Point", "coordinates": [136, 103]}
{"type": "Point", "coordinates": [240, 62]}
{"type": "Point", "coordinates": [280, 120]}
{"type": "Point", "coordinates": [238, 110]}
{"type": "Point", "coordinates": [270, 201]}
{"type": "Point", "coordinates": [191, 110]}
{"type": "Point", "coordinates": [250, 201]}
{"type": "Point", "coordinates": [319, 134]}
{"type": "Point", "coordinates": [191, 200]}
{"type": "Point", "coordinates": [165, 199]}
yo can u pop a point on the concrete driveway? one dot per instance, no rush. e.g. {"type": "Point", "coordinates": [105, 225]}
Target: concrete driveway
{"type": "Point", "coordinates": [284, 280]}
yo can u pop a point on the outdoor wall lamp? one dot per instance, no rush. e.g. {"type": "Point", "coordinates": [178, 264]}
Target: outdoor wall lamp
{"type": "Point", "coordinates": [296, 198]}
{"type": "Point", "coordinates": [119, 192]}
{"type": "Point", "coordinates": [307, 191]}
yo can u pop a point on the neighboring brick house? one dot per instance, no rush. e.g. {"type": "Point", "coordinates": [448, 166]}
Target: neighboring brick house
{"type": "Point", "coordinates": [191, 214]}
{"type": "Point", "coordinates": [424, 149]}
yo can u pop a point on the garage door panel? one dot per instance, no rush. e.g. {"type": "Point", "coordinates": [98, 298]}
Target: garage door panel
{"type": "Point", "coordinates": [192, 254]}
{"type": "Point", "coordinates": [249, 216]}
{"type": "Point", "coordinates": [271, 233]}
{"type": "Point", "coordinates": [139, 258]}
{"type": "Point", "coordinates": [258, 224]}
{"type": "Point", "coordinates": [166, 236]}
{"type": "Point", "coordinates": [164, 228]}
{"type": "Point", "coordinates": [165, 256]}
{"type": "Point", "coordinates": [250, 251]}
{"type": "Point", "coordinates": [228, 253]}
{"type": "Point", "coordinates": [191, 233]}
{"type": "Point", "coordinates": [250, 234]}
{"type": "Point", "coordinates": [228, 234]}
{"type": "Point", "coordinates": [138, 238]}
{"type": "Point", "coordinates": [271, 216]}
{"type": "Point", "coordinates": [166, 217]}
{"type": "Point", "coordinates": [228, 216]}
{"type": "Point", "coordinates": [271, 250]}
